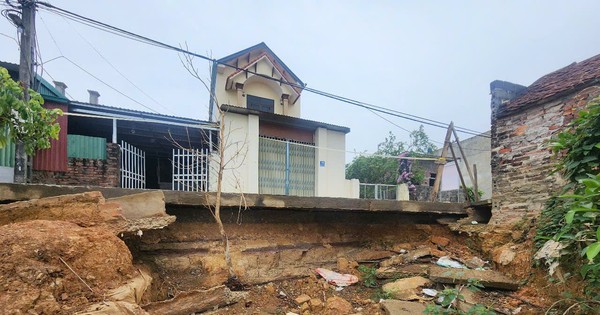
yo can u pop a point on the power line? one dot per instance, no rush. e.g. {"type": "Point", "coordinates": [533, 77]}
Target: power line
{"type": "Point", "coordinates": [121, 32]}
{"type": "Point", "coordinates": [117, 70]}
{"type": "Point", "coordinates": [108, 85]}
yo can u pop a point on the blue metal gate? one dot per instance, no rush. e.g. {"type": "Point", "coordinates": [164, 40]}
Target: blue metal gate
{"type": "Point", "coordinates": [286, 168]}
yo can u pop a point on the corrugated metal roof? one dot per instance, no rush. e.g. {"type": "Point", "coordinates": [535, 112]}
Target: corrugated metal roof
{"type": "Point", "coordinates": [108, 110]}
{"type": "Point", "coordinates": [45, 88]}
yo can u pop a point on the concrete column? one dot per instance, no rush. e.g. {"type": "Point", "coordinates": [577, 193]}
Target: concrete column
{"type": "Point", "coordinates": [402, 192]}
{"type": "Point", "coordinates": [252, 155]}
{"type": "Point", "coordinates": [240, 94]}
{"type": "Point", "coordinates": [321, 156]}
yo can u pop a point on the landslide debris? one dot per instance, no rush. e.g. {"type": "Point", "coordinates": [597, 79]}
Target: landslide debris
{"type": "Point", "coordinates": [35, 261]}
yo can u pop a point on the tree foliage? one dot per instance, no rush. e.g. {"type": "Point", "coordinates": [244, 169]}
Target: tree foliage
{"type": "Point", "coordinates": [382, 167]}
{"type": "Point", "coordinates": [27, 122]}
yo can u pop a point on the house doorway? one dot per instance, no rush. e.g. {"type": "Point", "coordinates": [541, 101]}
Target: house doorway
{"type": "Point", "coordinates": [286, 167]}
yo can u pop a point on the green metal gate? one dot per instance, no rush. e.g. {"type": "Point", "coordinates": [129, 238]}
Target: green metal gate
{"type": "Point", "coordinates": [286, 168]}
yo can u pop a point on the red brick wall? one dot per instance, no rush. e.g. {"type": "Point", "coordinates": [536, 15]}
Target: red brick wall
{"type": "Point", "coordinates": [103, 173]}
{"type": "Point", "coordinates": [521, 159]}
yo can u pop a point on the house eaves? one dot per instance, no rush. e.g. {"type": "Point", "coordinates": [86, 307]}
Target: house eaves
{"type": "Point", "coordinates": [284, 120]}
{"type": "Point", "coordinates": [266, 48]}
{"type": "Point", "coordinates": [123, 113]}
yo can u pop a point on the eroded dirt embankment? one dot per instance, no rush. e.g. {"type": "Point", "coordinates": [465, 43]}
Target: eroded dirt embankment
{"type": "Point", "coordinates": [84, 253]}
{"type": "Point", "coordinates": [267, 245]}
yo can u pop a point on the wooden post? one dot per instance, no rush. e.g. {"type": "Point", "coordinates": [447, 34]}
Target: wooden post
{"type": "Point", "coordinates": [441, 162]}
{"type": "Point", "coordinates": [25, 76]}
{"type": "Point", "coordinates": [467, 166]}
{"type": "Point", "coordinates": [462, 179]}
{"type": "Point", "coordinates": [475, 183]}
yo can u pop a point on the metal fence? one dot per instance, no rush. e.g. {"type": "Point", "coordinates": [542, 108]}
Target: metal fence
{"type": "Point", "coordinates": [190, 170]}
{"type": "Point", "coordinates": [133, 167]}
{"type": "Point", "coordinates": [378, 191]}
{"type": "Point", "coordinates": [286, 168]}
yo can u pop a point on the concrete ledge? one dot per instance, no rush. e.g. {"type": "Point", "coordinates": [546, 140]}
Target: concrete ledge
{"type": "Point", "coordinates": [18, 192]}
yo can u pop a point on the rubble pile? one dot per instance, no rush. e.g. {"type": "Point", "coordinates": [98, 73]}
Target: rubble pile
{"type": "Point", "coordinates": [63, 255]}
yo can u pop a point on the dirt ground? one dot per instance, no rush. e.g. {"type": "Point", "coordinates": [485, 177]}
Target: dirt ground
{"type": "Point", "coordinates": [59, 267]}
{"type": "Point", "coordinates": [41, 264]}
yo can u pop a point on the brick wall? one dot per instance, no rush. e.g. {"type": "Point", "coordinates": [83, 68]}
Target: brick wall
{"type": "Point", "coordinates": [103, 173]}
{"type": "Point", "coordinates": [521, 160]}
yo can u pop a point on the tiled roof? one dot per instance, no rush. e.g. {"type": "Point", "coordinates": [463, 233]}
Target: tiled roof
{"type": "Point", "coordinates": [556, 84]}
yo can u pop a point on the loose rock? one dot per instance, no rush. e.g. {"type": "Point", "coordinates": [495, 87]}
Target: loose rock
{"type": "Point", "coordinates": [338, 306]}
{"type": "Point", "coordinates": [405, 289]}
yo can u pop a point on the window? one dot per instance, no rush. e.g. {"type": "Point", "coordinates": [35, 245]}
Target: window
{"type": "Point", "coordinates": [260, 103]}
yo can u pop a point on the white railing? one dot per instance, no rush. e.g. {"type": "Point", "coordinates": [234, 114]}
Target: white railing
{"type": "Point", "coordinates": [133, 167]}
{"type": "Point", "coordinates": [190, 170]}
{"type": "Point", "coordinates": [378, 191]}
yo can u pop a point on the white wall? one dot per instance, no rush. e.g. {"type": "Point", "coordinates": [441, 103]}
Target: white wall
{"type": "Point", "coordinates": [7, 174]}
{"type": "Point", "coordinates": [330, 162]}
{"type": "Point", "coordinates": [240, 154]}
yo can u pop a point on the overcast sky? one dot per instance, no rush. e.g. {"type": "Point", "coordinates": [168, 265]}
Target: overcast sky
{"type": "Point", "coordinates": [429, 58]}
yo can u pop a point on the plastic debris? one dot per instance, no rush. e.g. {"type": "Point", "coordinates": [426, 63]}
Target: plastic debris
{"type": "Point", "coordinates": [338, 289]}
{"type": "Point", "coordinates": [474, 222]}
{"type": "Point", "coordinates": [446, 261]}
{"type": "Point", "coordinates": [338, 279]}
{"type": "Point", "coordinates": [430, 292]}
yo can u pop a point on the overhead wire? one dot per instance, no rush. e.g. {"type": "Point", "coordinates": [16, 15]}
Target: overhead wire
{"type": "Point", "coordinates": [117, 70]}
{"type": "Point", "coordinates": [108, 85]}
{"type": "Point", "coordinates": [140, 38]}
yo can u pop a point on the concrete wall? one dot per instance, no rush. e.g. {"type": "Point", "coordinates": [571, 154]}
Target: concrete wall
{"type": "Point", "coordinates": [7, 174]}
{"type": "Point", "coordinates": [521, 160]}
{"type": "Point", "coordinates": [103, 173]}
{"type": "Point", "coordinates": [240, 155]}
{"type": "Point", "coordinates": [330, 160]}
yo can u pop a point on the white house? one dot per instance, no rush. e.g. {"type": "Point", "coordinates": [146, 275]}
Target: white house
{"type": "Point", "coordinates": [270, 149]}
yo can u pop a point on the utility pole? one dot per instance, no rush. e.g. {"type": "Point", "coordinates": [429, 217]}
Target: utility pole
{"type": "Point", "coordinates": [25, 77]}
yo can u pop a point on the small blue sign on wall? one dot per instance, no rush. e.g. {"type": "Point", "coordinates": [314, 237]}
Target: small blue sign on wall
{"type": "Point", "coordinates": [322, 163]}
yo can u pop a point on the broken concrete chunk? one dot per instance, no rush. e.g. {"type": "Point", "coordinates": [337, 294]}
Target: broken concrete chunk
{"type": "Point", "coordinates": [144, 211]}
{"type": "Point", "coordinates": [302, 298]}
{"type": "Point", "coordinates": [394, 272]}
{"type": "Point", "coordinates": [395, 307]}
{"type": "Point", "coordinates": [405, 289]}
{"type": "Point", "coordinates": [142, 205]}
{"type": "Point", "coordinates": [488, 278]}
